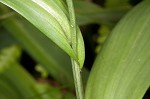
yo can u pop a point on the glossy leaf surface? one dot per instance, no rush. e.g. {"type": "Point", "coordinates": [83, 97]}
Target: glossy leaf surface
{"type": "Point", "coordinates": [51, 18]}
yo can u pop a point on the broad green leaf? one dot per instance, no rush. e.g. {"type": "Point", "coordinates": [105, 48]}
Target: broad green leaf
{"type": "Point", "coordinates": [122, 68]}
{"type": "Point", "coordinates": [48, 17]}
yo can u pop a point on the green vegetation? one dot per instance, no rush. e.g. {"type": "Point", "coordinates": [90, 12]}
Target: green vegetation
{"type": "Point", "coordinates": [48, 31]}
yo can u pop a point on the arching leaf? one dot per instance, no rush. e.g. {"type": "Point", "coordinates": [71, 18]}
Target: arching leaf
{"type": "Point", "coordinates": [50, 17]}
{"type": "Point", "coordinates": [122, 68]}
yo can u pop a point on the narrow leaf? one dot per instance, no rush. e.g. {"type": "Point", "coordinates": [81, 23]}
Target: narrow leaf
{"type": "Point", "coordinates": [6, 39]}
{"type": "Point", "coordinates": [17, 83]}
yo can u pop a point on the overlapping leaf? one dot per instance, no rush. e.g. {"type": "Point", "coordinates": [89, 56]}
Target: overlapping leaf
{"type": "Point", "coordinates": [16, 83]}
{"type": "Point", "coordinates": [87, 13]}
{"type": "Point", "coordinates": [52, 58]}
{"type": "Point", "coordinates": [5, 39]}
{"type": "Point", "coordinates": [122, 68]}
{"type": "Point", "coordinates": [51, 17]}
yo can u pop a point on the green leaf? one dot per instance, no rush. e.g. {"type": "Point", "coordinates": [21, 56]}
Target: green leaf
{"type": "Point", "coordinates": [16, 83]}
{"type": "Point", "coordinates": [52, 58]}
{"type": "Point", "coordinates": [8, 55]}
{"type": "Point", "coordinates": [21, 85]}
{"type": "Point", "coordinates": [47, 92]}
{"type": "Point", "coordinates": [115, 3]}
{"type": "Point", "coordinates": [122, 68]}
{"type": "Point", "coordinates": [88, 13]}
{"type": "Point", "coordinates": [48, 17]}
{"type": "Point", "coordinates": [6, 39]}
{"type": "Point", "coordinates": [9, 84]}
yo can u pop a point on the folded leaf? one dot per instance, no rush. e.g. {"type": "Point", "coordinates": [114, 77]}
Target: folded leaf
{"type": "Point", "coordinates": [51, 18]}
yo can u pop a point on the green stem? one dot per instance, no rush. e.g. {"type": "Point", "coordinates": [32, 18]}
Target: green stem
{"type": "Point", "coordinates": [75, 66]}
{"type": "Point", "coordinates": [77, 79]}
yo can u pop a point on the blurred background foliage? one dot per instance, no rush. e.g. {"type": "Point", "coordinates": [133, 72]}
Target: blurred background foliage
{"type": "Point", "coordinates": [32, 67]}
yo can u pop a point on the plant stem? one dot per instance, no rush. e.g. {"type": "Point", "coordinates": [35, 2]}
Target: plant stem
{"type": "Point", "coordinates": [77, 79]}
{"type": "Point", "coordinates": [75, 66]}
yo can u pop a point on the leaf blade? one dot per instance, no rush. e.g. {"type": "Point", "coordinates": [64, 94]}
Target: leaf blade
{"type": "Point", "coordinates": [37, 15]}
{"type": "Point", "coordinates": [122, 66]}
